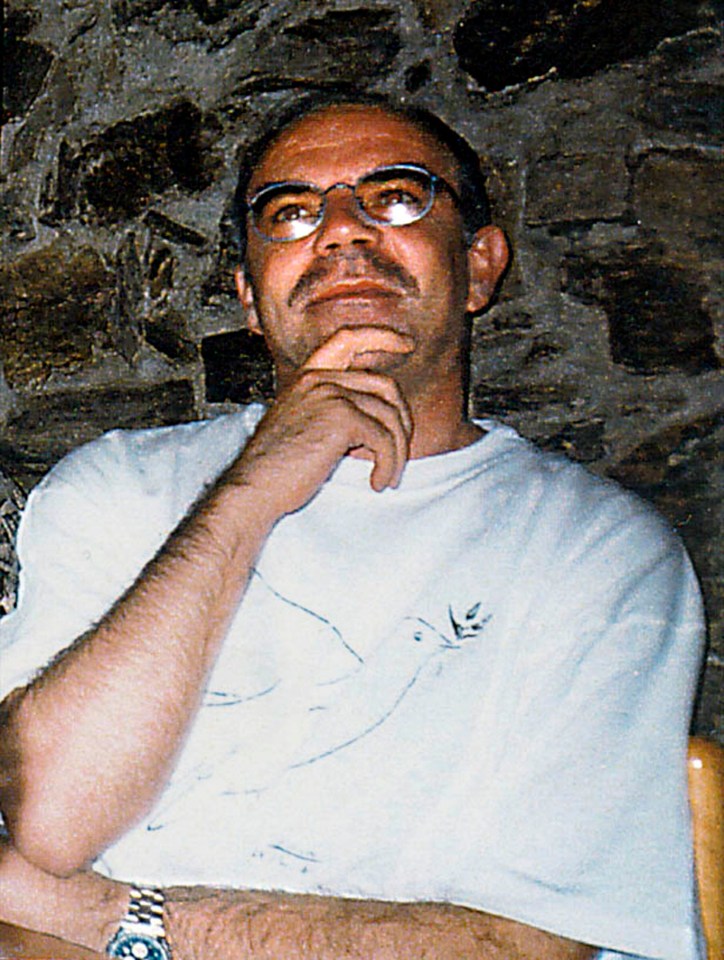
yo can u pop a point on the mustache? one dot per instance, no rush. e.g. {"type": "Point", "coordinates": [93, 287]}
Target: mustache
{"type": "Point", "coordinates": [376, 267]}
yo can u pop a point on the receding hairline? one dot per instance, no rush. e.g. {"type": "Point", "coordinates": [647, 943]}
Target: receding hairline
{"type": "Point", "coordinates": [452, 146]}
{"type": "Point", "coordinates": [325, 112]}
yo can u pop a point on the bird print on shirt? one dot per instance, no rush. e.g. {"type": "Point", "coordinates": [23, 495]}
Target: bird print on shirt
{"type": "Point", "coordinates": [364, 700]}
{"type": "Point", "coordinates": [291, 690]}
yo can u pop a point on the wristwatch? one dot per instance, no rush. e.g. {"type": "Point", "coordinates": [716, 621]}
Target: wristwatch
{"type": "Point", "coordinates": [141, 934]}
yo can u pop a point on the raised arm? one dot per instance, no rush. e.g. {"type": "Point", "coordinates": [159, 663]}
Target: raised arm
{"type": "Point", "coordinates": [86, 747]}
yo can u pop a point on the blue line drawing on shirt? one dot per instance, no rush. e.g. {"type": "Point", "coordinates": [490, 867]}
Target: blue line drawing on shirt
{"type": "Point", "coordinates": [221, 698]}
{"type": "Point", "coordinates": [303, 609]}
{"type": "Point", "coordinates": [469, 625]}
{"type": "Point", "coordinates": [466, 627]}
{"type": "Point", "coordinates": [359, 736]}
{"type": "Point", "coordinates": [323, 714]}
{"type": "Point", "coordinates": [309, 858]}
{"type": "Point", "coordinates": [366, 699]}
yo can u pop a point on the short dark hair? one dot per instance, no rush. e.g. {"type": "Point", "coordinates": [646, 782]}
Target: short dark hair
{"type": "Point", "coordinates": [474, 205]}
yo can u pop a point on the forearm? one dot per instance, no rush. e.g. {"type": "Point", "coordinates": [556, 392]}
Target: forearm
{"type": "Point", "coordinates": [91, 743]}
{"type": "Point", "coordinates": [235, 925]}
{"type": "Point", "coordinates": [252, 925]}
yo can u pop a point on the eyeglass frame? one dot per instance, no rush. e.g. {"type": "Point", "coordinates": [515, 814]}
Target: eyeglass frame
{"type": "Point", "coordinates": [434, 178]}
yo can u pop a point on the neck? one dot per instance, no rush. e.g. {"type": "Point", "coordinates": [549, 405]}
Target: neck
{"type": "Point", "coordinates": [440, 426]}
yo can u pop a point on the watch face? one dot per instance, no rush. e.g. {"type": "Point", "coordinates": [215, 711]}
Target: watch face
{"type": "Point", "coordinates": [138, 947]}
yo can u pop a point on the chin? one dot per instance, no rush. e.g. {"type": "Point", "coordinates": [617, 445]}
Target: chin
{"type": "Point", "coordinates": [358, 312]}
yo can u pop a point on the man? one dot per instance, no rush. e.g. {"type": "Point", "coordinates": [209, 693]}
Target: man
{"type": "Point", "coordinates": [428, 681]}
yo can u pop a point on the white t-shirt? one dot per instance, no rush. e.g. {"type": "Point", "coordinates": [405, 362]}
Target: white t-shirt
{"type": "Point", "coordinates": [474, 688]}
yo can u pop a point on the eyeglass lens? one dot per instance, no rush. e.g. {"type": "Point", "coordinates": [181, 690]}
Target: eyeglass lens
{"type": "Point", "coordinates": [392, 196]}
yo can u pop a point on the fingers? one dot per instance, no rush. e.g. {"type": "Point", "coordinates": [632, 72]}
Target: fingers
{"type": "Point", "coordinates": [367, 385]}
{"type": "Point", "coordinates": [345, 350]}
{"type": "Point", "coordinates": [375, 398]}
{"type": "Point", "coordinates": [383, 433]}
{"type": "Point", "coordinates": [348, 411]}
{"type": "Point", "coordinates": [335, 406]}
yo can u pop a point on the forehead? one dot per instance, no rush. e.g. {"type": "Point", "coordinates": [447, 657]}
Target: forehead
{"type": "Point", "coordinates": [342, 143]}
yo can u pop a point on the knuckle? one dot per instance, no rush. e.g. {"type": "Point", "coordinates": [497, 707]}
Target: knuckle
{"type": "Point", "coordinates": [307, 378]}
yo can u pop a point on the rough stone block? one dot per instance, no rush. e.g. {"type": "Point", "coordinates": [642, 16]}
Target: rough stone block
{"type": "Point", "coordinates": [658, 318]}
{"type": "Point", "coordinates": [213, 21]}
{"type": "Point", "coordinates": [17, 227]}
{"type": "Point", "coordinates": [417, 76]}
{"type": "Point", "coordinates": [496, 400]}
{"type": "Point", "coordinates": [695, 55]}
{"type": "Point", "coordinates": [673, 452]}
{"type": "Point", "coordinates": [689, 108]}
{"type": "Point", "coordinates": [116, 174]}
{"type": "Point", "coordinates": [11, 504]}
{"type": "Point", "coordinates": [680, 196]}
{"type": "Point", "coordinates": [237, 368]}
{"type": "Point", "coordinates": [57, 304]}
{"type": "Point", "coordinates": [212, 11]}
{"type": "Point", "coordinates": [166, 331]}
{"type": "Point", "coordinates": [124, 11]}
{"type": "Point", "coordinates": [46, 427]}
{"type": "Point", "coordinates": [501, 44]}
{"type": "Point", "coordinates": [165, 226]}
{"type": "Point", "coordinates": [25, 65]}
{"type": "Point", "coordinates": [437, 14]}
{"type": "Point", "coordinates": [574, 189]}
{"type": "Point", "coordinates": [581, 441]}
{"type": "Point", "coordinates": [338, 46]}
{"type": "Point", "coordinates": [125, 317]}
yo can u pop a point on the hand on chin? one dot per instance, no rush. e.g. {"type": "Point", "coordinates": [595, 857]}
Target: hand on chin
{"type": "Point", "coordinates": [370, 332]}
{"type": "Point", "coordinates": [363, 346]}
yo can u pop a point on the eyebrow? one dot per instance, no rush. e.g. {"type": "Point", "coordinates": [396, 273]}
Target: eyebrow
{"type": "Point", "coordinates": [385, 166]}
{"type": "Point", "coordinates": [382, 166]}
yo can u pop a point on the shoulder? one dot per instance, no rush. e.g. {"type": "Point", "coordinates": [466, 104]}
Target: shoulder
{"type": "Point", "coordinates": [163, 459]}
{"type": "Point", "coordinates": [576, 511]}
{"type": "Point", "coordinates": [101, 514]}
{"type": "Point", "coordinates": [133, 484]}
{"type": "Point", "coordinates": [207, 443]}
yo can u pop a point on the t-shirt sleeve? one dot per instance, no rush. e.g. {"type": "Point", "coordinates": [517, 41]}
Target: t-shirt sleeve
{"type": "Point", "coordinates": [578, 821]}
{"type": "Point", "coordinates": [601, 746]}
{"type": "Point", "coordinates": [94, 522]}
{"type": "Point", "coordinates": [85, 534]}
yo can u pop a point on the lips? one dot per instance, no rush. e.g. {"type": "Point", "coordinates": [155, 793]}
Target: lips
{"type": "Point", "coordinates": [364, 273]}
{"type": "Point", "coordinates": [352, 288]}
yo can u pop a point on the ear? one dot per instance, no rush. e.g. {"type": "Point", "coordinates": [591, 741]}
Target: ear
{"type": "Point", "coordinates": [246, 298]}
{"type": "Point", "coordinates": [488, 256]}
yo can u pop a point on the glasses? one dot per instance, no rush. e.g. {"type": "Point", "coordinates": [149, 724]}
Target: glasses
{"type": "Point", "coordinates": [391, 196]}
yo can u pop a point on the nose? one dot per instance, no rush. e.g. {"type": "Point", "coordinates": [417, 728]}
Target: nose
{"type": "Point", "coordinates": [343, 223]}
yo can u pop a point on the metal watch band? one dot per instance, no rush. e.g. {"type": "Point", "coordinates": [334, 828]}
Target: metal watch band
{"type": "Point", "coordinates": [141, 933]}
{"type": "Point", "coordinates": [146, 907]}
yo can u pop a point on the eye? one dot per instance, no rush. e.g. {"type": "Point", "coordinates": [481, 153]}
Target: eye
{"type": "Point", "coordinates": [282, 211]}
{"type": "Point", "coordinates": [286, 213]}
{"type": "Point", "coordinates": [394, 195]}
{"type": "Point", "coordinates": [399, 199]}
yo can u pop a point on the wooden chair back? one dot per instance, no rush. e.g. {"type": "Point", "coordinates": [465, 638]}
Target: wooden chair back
{"type": "Point", "coordinates": [706, 795]}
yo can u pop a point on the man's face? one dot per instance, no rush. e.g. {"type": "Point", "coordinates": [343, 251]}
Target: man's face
{"type": "Point", "coordinates": [353, 273]}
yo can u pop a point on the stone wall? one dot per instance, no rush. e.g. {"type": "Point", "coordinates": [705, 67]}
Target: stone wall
{"type": "Point", "coordinates": [600, 124]}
